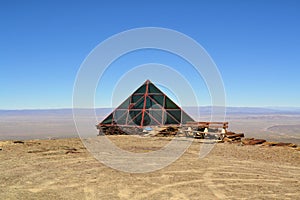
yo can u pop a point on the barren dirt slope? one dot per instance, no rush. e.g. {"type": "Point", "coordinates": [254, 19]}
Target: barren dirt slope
{"type": "Point", "coordinates": [64, 169]}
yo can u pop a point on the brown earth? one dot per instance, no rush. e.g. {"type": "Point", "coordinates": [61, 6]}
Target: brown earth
{"type": "Point", "coordinates": [64, 169]}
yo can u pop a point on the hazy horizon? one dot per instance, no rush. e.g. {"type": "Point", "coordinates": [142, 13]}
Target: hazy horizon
{"type": "Point", "coordinates": [274, 125]}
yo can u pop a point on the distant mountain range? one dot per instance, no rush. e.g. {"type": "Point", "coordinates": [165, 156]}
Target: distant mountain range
{"type": "Point", "coordinates": [203, 110]}
{"type": "Point", "coordinates": [250, 110]}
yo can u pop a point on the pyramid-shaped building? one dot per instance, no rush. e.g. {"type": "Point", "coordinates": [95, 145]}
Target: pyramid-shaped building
{"type": "Point", "coordinates": [147, 106]}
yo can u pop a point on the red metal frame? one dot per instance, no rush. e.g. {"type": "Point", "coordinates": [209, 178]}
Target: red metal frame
{"type": "Point", "coordinates": [144, 109]}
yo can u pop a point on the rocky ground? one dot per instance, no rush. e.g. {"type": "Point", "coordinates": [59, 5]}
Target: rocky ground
{"type": "Point", "coordinates": [64, 169]}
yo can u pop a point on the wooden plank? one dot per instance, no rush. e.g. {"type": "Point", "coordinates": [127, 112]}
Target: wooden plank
{"type": "Point", "coordinates": [206, 122]}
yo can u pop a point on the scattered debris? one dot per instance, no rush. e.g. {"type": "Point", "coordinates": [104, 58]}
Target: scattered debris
{"type": "Point", "coordinates": [199, 130]}
{"type": "Point", "coordinates": [117, 130]}
{"type": "Point", "coordinates": [166, 131]}
{"type": "Point", "coordinates": [111, 130]}
{"type": "Point", "coordinates": [205, 130]}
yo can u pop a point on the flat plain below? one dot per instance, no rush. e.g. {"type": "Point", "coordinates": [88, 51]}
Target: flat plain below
{"type": "Point", "coordinates": [64, 169]}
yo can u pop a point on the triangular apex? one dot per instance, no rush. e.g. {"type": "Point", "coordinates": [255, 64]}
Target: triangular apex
{"type": "Point", "coordinates": [147, 106]}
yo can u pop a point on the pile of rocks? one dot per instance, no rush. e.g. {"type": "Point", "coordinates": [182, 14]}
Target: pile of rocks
{"type": "Point", "coordinates": [111, 130]}
{"type": "Point", "coordinates": [167, 131]}
{"type": "Point", "coordinates": [228, 137]}
{"type": "Point", "coordinates": [117, 130]}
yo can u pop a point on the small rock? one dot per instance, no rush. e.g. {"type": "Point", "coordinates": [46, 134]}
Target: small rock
{"type": "Point", "coordinates": [293, 145]}
{"type": "Point", "coordinates": [18, 142]}
{"type": "Point", "coordinates": [36, 151]}
{"type": "Point", "coordinates": [71, 151]}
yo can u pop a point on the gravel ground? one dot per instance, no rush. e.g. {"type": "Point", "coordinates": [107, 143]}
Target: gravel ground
{"type": "Point", "coordinates": [64, 169]}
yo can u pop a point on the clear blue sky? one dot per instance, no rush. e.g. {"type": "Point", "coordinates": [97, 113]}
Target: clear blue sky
{"type": "Point", "coordinates": [255, 44]}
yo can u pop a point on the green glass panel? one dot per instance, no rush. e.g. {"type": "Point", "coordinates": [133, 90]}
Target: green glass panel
{"type": "Point", "coordinates": [134, 117]}
{"type": "Point", "coordinates": [156, 116]}
{"type": "Point", "coordinates": [171, 120]}
{"type": "Point", "coordinates": [119, 113]}
{"type": "Point", "coordinates": [121, 120]}
{"type": "Point", "coordinates": [139, 104]}
{"type": "Point", "coordinates": [170, 104]}
{"type": "Point", "coordinates": [125, 104]}
{"type": "Point", "coordinates": [175, 113]}
{"type": "Point", "coordinates": [108, 120]}
{"type": "Point", "coordinates": [159, 99]}
{"type": "Point", "coordinates": [147, 119]}
{"type": "Point", "coordinates": [153, 89]}
{"type": "Point", "coordinates": [136, 98]}
{"type": "Point", "coordinates": [186, 118]}
{"type": "Point", "coordinates": [141, 89]}
{"type": "Point", "coordinates": [149, 103]}
{"type": "Point", "coordinates": [153, 122]}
